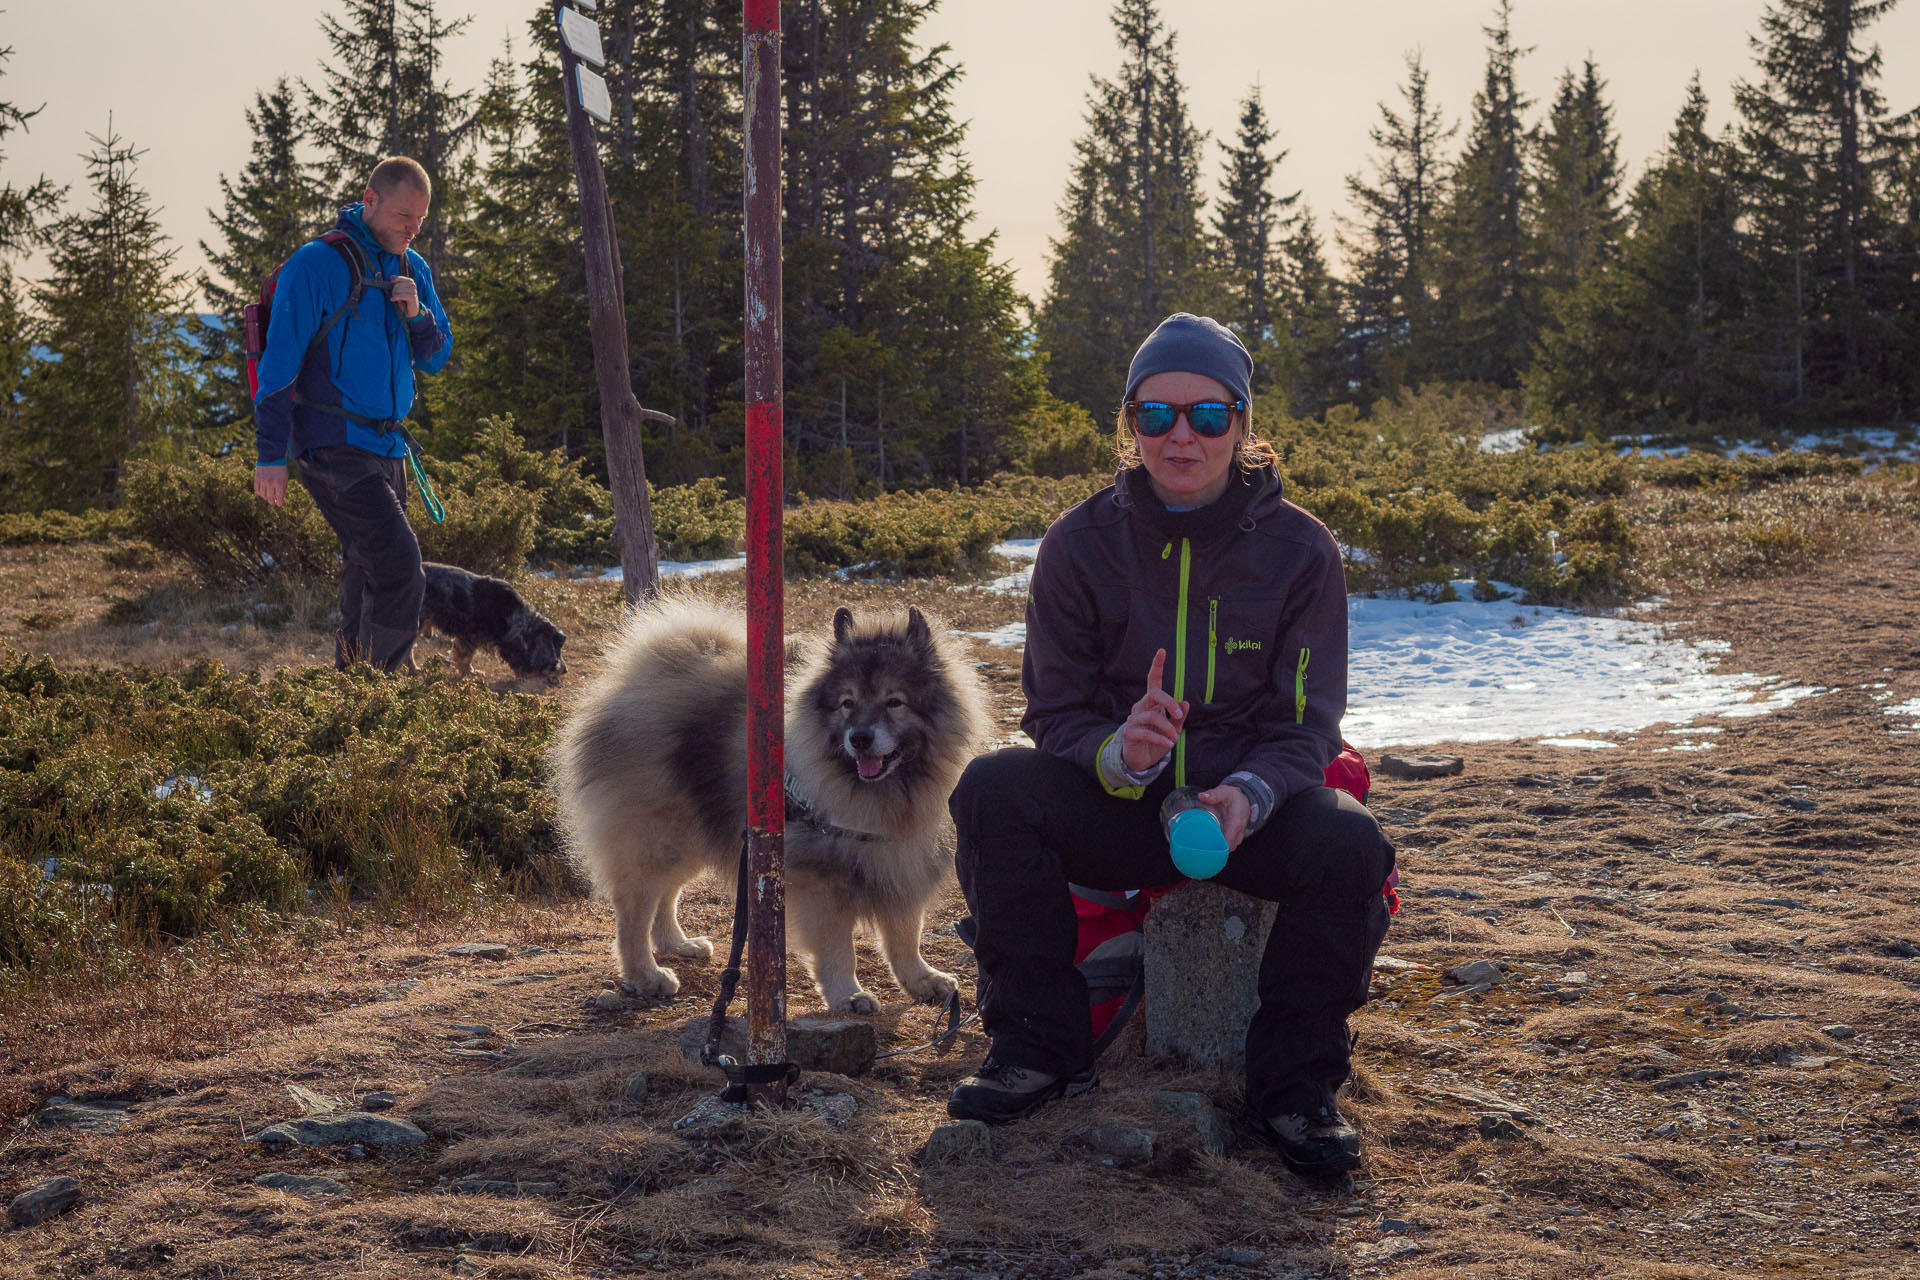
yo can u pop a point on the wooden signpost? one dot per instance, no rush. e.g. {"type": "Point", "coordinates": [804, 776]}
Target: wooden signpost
{"type": "Point", "coordinates": [585, 93]}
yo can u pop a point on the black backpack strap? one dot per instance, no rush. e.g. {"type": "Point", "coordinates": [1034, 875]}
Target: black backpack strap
{"type": "Point", "coordinates": [356, 284]}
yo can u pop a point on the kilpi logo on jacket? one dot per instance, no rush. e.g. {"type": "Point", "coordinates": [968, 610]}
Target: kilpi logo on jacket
{"type": "Point", "coordinates": [1235, 646]}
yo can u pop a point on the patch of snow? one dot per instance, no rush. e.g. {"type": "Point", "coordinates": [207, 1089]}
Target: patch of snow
{"type": "Point", "coordinates": [1017, 582]}
{"type": "Point", "coordinates": [1012, 636]}
{"type": "Point", "coordinates": [1512, 440]}
{"type": "Point", "coordinates": [680, 568]}
{"type": "Point", "coordinates": [1462, 671]}
{"type": "Point", "coordinates": [1579, 744]}
{"type": "Point", "coordinates": [183, 782]}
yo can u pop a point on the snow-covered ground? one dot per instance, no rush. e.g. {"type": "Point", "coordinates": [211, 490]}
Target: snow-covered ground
{"type": "Point", "coordinates": [1472, 671]}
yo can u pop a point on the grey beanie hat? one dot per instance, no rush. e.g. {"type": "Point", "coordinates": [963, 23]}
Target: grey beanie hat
{"type": "Point", "coordinates": [1186, 343]}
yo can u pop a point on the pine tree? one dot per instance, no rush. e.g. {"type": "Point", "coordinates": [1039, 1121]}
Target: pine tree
{"type": "Point", "coordinates": [118, 383]}
{"type": "Point", "coordinates": [1132, 246]}
{"type": "Point", "coordinates": [1489, 286]}
{"type": "Point", "coordinates": [1651, 338]}
{"type": "Point", "coordinates": [1317, 364]}
{"type": "Point", "coordinates": [902, 332]}
{"type": "Point", "coordinates": [1577, 215]}
{"type": "Point", "coordinates": [382, 93]}
{"type": "Point", "coordinates": [271, 209]}
{"type": "Point", "coordinates": [1249, 222]}
{"type": "Point", "coordinates": [1820, 147]}
{"type": "Point", "coordinates": [1392, 338]}
{"type": "Point", "coordinates": [23, 214]}
{"type": "Point", "coordinates": [520, 315]}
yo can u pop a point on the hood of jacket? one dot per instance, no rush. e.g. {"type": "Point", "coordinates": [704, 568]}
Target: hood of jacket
{"type": "Point", "coordinates": [353, 221]}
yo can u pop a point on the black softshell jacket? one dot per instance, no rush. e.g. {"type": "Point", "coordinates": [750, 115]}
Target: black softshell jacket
{"type": "Point", "coordinates": [1248, 597]}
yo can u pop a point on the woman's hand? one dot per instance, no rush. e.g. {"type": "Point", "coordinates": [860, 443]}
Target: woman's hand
{"type": "Point", "coordinates": [1229, 804]}
{"type": "Point", "coordinates": [1155, 724]}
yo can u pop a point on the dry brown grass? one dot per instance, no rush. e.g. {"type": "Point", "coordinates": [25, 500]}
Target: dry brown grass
{"type": "Point", "coordinates": [1599, 864]}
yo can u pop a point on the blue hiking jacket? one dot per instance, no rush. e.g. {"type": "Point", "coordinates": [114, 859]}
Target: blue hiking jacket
{"type": "Point", "coordinates": [368, 361]}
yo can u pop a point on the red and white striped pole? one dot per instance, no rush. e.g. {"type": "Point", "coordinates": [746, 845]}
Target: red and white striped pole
{"type": "Point", "coordinates": [766, 702]}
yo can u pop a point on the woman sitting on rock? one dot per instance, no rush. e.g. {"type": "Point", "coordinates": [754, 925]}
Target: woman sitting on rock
{"type": "Point", "coordinates": [1191, 571]}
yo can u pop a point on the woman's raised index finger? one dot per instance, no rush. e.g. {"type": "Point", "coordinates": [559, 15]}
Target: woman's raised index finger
{"type": "Point", "coordinates": [1156, 670]}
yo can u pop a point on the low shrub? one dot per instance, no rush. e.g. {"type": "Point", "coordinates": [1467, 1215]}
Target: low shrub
{"type": "Point", "coordinates": [911, 534]}
{"type": "Point", "coordinates": [19, 528]}
{"type": "Point", "coordinates": [136, 806]}
{"type": "Point", "coordinates": [697, 521]}
{"type": "Point", "coordinates": [204, 511]}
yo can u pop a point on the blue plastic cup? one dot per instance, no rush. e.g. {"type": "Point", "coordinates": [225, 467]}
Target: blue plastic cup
{"type": "Point", "coordinates": [1194, 837]}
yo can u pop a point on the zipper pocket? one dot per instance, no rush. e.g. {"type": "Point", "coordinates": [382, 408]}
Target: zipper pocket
{"type": "Point", "coordinates": [1213, 639]}
{"type": "Point", "coordinates": [1300, 687]}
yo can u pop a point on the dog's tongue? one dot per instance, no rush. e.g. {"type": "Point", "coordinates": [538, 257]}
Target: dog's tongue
{"type": "Point", "coordinates": [870, 766]}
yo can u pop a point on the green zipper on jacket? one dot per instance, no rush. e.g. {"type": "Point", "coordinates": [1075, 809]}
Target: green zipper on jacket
{"type": "Point", "coordinates": [1300, 688]}
{"type": "Point", "coordinates": [1180, 662]}
{"type": "Point", "coordinates": [1213, 640]}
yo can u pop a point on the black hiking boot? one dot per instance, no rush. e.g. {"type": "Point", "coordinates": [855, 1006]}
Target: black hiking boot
{"type": "Point", "coordinates": [1315, 1145]}
{"type": "Point", "coordinates": [999, 1092]}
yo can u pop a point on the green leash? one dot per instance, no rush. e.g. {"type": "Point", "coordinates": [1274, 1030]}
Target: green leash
{"type": "Point", "coordinates": [437, 512]}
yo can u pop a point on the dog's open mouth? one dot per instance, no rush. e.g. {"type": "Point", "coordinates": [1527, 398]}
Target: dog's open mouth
{"type": "Point", "coordinates": [874, 767]}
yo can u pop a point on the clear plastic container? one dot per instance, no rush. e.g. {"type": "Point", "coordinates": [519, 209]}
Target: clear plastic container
{"type": "Point", "coordinates": [1193, 834]}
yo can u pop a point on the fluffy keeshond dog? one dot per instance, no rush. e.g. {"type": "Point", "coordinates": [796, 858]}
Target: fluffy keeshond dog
{"type": "Point", "coordinates": [650, 769]}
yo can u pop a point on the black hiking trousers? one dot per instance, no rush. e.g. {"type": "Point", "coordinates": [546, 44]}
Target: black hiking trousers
{"type": "Point", "coordinates": [1030, 823]}
{"type": "Point", "coordinates": [364, 497]}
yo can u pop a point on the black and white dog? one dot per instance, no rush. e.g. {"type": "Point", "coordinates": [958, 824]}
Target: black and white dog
{"type": "Point", "coordinates": [475, 611]}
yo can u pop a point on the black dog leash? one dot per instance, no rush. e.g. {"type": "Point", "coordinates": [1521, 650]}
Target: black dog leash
{"type": "Point", "coordinates": [739, 1074]}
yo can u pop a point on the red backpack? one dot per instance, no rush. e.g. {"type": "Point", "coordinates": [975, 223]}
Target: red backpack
{"type": "Point", "coordinates": [1111, 942]}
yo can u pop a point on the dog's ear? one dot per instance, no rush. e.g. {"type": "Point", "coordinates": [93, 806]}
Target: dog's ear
{"type": "Point", "coordinates": [842, 624]}
{"type": "Point", "coordinates": [917, 629]}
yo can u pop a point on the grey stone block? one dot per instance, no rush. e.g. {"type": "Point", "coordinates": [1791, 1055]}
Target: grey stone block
{"type": "Point", "coordinates": [840, 1045]}
{"type": "Point", "coordinates": [1211, 1128]}
{"type": "Point", "coordinates": [958, 1140]}
{"type": "Point", "coordinates": [1122, 1145]}
{"type": "Point", "coordinates": [1203, 966]}
{"type": "Point", "coordinates": [1416, 767]}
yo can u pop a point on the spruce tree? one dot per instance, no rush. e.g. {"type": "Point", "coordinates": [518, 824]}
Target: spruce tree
{"type": "Point", "coordinates": [1577, 215]}
{"type": "Point", "coordinates": [903, 334]}
{"type": "Point", "coordinates": [1651, 338]}
{"type": "Point", "coordinates": [1132, 246]}
{"type": "Point", "coordinates": [382, 92]}
{"type": "Point", "coordinates": [520, 315]}
{"type": "Point", "coordinates": [112, 314]}
{"type": "Point", "coordinates": [23, 214]}
{"type": "Point", "coordinates": [1820, 147]}
{"type": "Point", "coordinates": [1250, 221]}
{"type": "Point", "coordinates": [1392, 340]}
{"type": "Point", "coordinates": [1317, 364]}
{"type": "Point", "coordinates": [272, 208]}
{"type": "Point", "coordinates": [1489, 286]}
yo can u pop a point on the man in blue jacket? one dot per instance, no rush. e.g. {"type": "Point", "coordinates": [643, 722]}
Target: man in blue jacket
{"type": "Point", "coordinates": [338, 405]}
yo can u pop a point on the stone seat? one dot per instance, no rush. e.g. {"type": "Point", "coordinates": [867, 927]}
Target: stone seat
{"type": "Point", "coordinates": [1204, 943]}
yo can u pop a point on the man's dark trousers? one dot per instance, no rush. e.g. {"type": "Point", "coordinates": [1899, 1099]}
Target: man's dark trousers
{"type": "Point", "coordinates": [364, 498]}
{"type": "Point", "coordinates": [1029, 823]}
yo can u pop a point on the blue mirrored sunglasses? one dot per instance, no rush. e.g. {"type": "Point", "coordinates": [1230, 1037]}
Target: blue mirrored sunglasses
{"type": "Point", "coordinates": [1210, 418]}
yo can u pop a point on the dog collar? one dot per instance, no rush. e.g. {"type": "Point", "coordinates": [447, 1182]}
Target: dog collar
{"type": "Point", "coordinates": [798, 810]}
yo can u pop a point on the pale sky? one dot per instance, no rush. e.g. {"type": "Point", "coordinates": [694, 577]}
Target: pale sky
{"type": "Point", "coordinates": [179, 74]}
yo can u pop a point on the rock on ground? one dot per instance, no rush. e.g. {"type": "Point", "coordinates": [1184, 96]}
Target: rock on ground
{"type": "Point", "coordinates": [343, 1127]}
{"type": "Point", "coordinates": [48, 1199]}
{"type": "Point", "coordinates": [1416, 767]}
